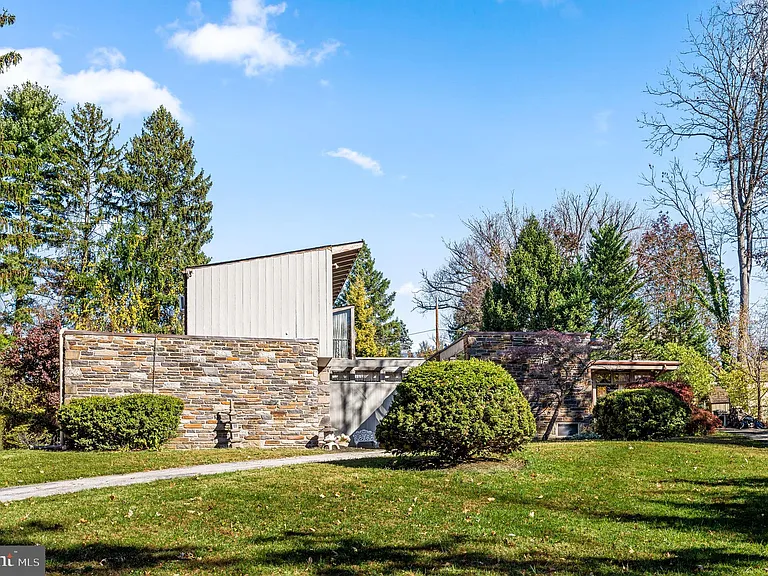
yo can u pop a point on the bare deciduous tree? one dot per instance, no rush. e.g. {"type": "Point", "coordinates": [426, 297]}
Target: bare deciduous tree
{"type": "Point", "coordinates": [573, 215]}
{"type": "Point", "coordinates": [472, 264]}
{"type": "Point", "coordinates": [718, 94]}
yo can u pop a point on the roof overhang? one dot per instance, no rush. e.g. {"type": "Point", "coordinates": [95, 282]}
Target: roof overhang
{"type": "Point", "coordinates": [629, 365]}
{"type": "Point", "coordinates": [343, 258]}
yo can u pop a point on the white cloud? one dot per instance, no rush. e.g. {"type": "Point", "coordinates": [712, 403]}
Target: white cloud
{"type": "Point", "coordinates": [106, 58]}
{"type": "Point", "coordinates": [245, 38]}
{"type": "Point", "coordinates": [427, 215]}
{"type": "Point", "coordinates": [365, 162]}
{"type": "Point", "coordinates": [325, 83]}
{"type": "Point", "coordinates": [407, 289]}
{"type": "Point", "coordinates": [119, 91]}
{"type": "Point", "coordinates": [602, 121]}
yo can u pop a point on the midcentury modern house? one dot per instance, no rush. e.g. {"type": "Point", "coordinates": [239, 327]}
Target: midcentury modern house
{"type": "Point", "coordinates": [266, 356]}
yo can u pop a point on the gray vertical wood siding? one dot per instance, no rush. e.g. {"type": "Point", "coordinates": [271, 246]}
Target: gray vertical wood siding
{"type": "Point", "coordinates": [282, 296]}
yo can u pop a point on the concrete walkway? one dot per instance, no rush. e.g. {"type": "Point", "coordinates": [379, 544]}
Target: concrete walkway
{"type": "Point", "coordinates": [754, 434]}
{"type": "Point", "coordinates": [68, 486]}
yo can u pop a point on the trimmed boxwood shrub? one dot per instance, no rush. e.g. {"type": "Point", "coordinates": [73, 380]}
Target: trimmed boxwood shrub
{"type": "Point", "coordinates": [134, 422]}
{"type": "Point", "coordinates": [641, 414]}
{"type": "Point", "coordinates": [457, 410]}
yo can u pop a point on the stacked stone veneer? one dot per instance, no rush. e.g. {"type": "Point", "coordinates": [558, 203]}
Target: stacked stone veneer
{"type": "Point", "coordinates": [236, 391]}
{"type": "Point", "coordinates": [557, 385]}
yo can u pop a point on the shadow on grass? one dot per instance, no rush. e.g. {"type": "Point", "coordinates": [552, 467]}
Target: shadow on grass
{"type": "Point", "coordinates": [425, 463]}
{"type": "Point", "coordinates": [331, 554]}
{"type": "Point", "coordinates": [723, 439]}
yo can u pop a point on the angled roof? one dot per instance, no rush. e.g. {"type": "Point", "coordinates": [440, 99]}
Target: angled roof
{"type": "Point", "coordinates": [624, 365]}
{"type": "Point", "coordinates": [343, 257]}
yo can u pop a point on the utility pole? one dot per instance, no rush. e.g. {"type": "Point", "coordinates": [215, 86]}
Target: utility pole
{"type": "Point", "coordinates": [437, 326]}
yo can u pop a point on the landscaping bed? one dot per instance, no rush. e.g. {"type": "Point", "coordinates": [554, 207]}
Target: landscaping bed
{"type": "Point", "coordinates": [605, 508]}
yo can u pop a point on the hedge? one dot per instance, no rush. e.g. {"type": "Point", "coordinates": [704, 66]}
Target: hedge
{"type": "Point", "coordinates": [641, 414]}
{"type": "Point", "coordinates": [138, 421]}
{"type": "Point", "coordinates": [457, 410]}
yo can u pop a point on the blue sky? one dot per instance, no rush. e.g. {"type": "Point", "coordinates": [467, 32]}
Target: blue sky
{"type": "Point", "coordinates": [389, 120]}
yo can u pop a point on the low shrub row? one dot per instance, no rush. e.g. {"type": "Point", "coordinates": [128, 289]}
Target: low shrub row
{"type": "Point", "coordinates": [138, 421]}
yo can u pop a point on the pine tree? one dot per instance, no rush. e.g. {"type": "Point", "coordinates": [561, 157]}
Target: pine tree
{"type": "Point", "coordinates": [391, 334]}
{"type": "Point", "coordinates": [365, 327]}
{"type": "Point", "coordinates": [680, 324]}
{"type": "Point", "coordinates": [531, 295]}
{"type": "Point", "coordinates": [612, 279]}
{"type": "Point", "coordinates": [10, 58]}
{"type": "Point", "coordinates": [31, 196]}
{"type": "Point", "coordinates": [167, 211]}
{"type": "Point", "coordinates": [91, 163]}
{"type": "Point", "coordinates": [577, 312]}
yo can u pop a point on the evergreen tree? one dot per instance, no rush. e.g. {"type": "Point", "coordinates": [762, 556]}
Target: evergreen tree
{"type": "Point", "coordinates": [91, 163]}
{"type": "Point", "coordinates": [167, 212]}
{"type": "Point", "coordinates": [31, 196]}
{"type": "Point", "coordinates": [577, 312]}
{"type": "Point", "coordinates": [10, 58]}
{"type": "Point", "coordinates": [365, 327]}
{"type": "Point", "coordinates": [535, 292]}
{"type": "Point", "coordinates": [612, 279]}
{"type": "Point", "coordinates": [391, 334]}
{"type": "Point", "coordinates": [680, 325]}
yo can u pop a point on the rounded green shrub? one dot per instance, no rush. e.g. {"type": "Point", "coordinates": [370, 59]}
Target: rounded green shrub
{"type": "Point", "coordinates": [641, 414]}
{"type": "Point", "coordinates": [134, 422]}
{"type": "Point", "coordinates": [457, 410]}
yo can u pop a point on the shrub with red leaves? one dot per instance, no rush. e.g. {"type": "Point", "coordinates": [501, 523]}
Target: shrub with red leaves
{"type": "Point", "coordinates": [702, 422]}
{"type": "Point", "coordinates": [679, 389]}
{"type": "Point", "coordinates": [33, 359]}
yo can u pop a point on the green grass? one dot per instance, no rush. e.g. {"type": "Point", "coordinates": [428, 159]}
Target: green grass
{"type": "Point", "coordinates": [19, 467]}
{"type": "Point", "coordinates": [599, 508]}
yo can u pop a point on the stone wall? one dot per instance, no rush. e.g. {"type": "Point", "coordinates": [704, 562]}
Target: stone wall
{"type": "Point", "coordinates": [550, 368]}
{"type": "Point", "coordinates": [269, 389]}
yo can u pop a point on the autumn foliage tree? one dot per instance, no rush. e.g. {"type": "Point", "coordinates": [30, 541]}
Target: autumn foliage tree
{"type": "Point", "coordinates": [32, 361]}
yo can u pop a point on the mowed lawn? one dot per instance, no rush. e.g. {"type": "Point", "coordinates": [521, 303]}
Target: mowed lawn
{"type": "Point", "coordinates": [19, 467]}
{"type": "Point", "coordinates": [568, 508]}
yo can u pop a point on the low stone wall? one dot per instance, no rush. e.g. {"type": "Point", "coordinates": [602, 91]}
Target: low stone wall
{"type": "Point", "coordinates": [269, 389]}
{"type": "Point", "coordinates": [550, 368]}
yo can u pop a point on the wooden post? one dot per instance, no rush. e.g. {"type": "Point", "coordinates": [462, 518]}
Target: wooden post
{"type": "Point", "coordinates": [437, 326]}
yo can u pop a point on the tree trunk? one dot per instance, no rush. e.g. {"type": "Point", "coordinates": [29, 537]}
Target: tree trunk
{"type": "Point", "coordinates": [745, 270]}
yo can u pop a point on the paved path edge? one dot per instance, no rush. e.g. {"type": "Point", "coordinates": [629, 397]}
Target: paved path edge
{"type": "Point", "coordinates": [16, 493]}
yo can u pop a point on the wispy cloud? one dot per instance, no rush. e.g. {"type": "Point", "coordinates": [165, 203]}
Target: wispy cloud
{"type": "Point", "coordinates": [566, 8]}
{"type": "Point", "coordinates": [119, 91]}
{"type": "Point", "coordinates": [365, 162]}
{"type": "Point", "coordinates": [325, 83]}
{"type": "Point", "coordinates": [246, 38]}
{"type": "Point", "coordinates": [62, 31]}
{"type": "Point", "coordinates": [105, 57]}
{"type": "Point", "coordinates": [602, 121]}
{"type": "Point", "coordinates": [425, 216]}
{"type": "Point", "coordinates": [407, 289]}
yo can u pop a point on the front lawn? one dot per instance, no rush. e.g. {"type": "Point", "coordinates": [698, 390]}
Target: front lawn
{"type": "Point", "coordinates": [599, 508]}
{"type": "Point", "coordinates": [19, 467]}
